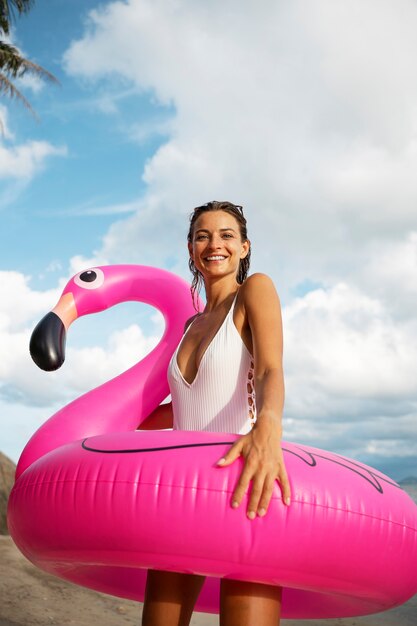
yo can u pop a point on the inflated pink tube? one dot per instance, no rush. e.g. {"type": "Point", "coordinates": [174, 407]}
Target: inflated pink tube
{"type": "Point", "coordinates": [101, 507]}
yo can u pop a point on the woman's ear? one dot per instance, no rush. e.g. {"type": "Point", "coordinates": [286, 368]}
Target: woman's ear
{"type": "Point", "coordinates": [245, 249]}
{"type": "Point", "coordinates": [190, 249]}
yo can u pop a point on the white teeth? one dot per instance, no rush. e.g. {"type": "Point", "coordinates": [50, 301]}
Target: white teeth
{"type": "Point", "coordinates": [215, 258]}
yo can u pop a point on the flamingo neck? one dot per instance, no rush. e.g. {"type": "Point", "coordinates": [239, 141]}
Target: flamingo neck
{"type": "Point", "coordinates": [122, 403]}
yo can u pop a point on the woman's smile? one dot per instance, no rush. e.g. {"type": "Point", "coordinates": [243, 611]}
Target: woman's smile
{"type": "Point", "coordinates": [215, 258]}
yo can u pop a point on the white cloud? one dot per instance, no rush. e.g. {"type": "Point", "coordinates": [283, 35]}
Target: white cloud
{"type": "Point", "coordinates": [79, 263]}
{"type": "Point", "coordinates": [88, 209]}
{"type": "Point", "coordinates": [142, 131]}
{"type": "Point", "coordinates": [25, 160]}
{"type": "Point", "coordinates": [341, 347]}
{"type": "Point", "coordinates": [18, 308]}
{"type": "Point", "coordinates": [368, 69]}
{"type": "Point", "coordinates": [350, 375]}
{"type": "Point", "coordinates": [21, 303]}
{"type": "Point", "coordinates": [20, 162]}
{"type": "Point", "coordinates": [4, 128]}
{"type": "Point", "coordinates": [92, 366]}
{"type": "Point", "coordinates": [275, 109]}
{"type": "Point", "coordinates": [390, 272]}
{"type": "Point", "coordinates": [30, 81]}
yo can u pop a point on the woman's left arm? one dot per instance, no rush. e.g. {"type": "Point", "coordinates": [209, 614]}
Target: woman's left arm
{"type": "Point", "coordinates": [261, 447]}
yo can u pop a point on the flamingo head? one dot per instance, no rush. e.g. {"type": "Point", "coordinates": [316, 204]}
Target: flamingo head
{"type": "Point", "coordinates": [92, 291]}
{"type": "Point", "coordinates": [83, 294]}
{"type": "Point", "coordinates": [99, 288]}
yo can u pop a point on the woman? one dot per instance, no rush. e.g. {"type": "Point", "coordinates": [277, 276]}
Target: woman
{"type": "Point", "coordinates": [223, 380]}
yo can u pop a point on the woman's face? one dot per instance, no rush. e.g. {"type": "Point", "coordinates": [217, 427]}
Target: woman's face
{"type": "Point", "coordinates": [217, 247]}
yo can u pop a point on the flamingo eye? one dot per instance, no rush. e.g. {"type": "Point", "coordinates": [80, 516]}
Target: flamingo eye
{"type": "Point", "coordinates": [90, 279]}
{"type": "Point", "coordinates": [88, 276]}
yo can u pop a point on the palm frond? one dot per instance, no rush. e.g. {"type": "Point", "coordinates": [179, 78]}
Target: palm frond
{"type": "Point", "coordinates": [8, 88]}
{"type": "Point", "coordinates": [15, 65]}
{"type": "Point", "coordinates": [12, 63]}
{"type": "Point", "coordinates": [8, 9]}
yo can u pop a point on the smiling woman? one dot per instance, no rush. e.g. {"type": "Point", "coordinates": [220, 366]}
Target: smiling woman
{"type": "Point", "coordinates": [226, 376]}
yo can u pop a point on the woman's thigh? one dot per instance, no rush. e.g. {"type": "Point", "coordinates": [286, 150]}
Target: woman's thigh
{"type": "Point", "coordinates": [170, 598]}
{"type": "Point", "coordinates": [245, 603]}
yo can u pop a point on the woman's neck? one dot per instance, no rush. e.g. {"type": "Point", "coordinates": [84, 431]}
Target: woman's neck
{"type": "Point", "coordinates": [219, 293]}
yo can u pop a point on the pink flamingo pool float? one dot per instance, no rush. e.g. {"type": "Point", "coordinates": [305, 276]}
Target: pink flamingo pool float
{"type": "Point", "coordinates": [97, 502]}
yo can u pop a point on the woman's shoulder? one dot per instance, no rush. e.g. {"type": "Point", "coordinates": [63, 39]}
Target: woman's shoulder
{"type": "Point", "coordinates": [258, 291]}
{"type": "Point", "coordinates": [257, 283]}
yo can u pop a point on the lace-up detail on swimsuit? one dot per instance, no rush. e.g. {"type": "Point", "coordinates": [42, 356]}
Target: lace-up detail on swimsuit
{"type": "Point", "coordinates": [251, 394]}
{"type": "Point", "coordinates": [221, 398]}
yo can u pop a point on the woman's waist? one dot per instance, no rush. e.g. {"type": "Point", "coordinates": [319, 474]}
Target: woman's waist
{"type": "Point", "coordinates": [232, 423]}
{"type": "Point", "coordinates": [212, 411]}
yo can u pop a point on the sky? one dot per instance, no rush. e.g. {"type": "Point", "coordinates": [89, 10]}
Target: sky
{"type": "Point", "coordinates": [303, 112]}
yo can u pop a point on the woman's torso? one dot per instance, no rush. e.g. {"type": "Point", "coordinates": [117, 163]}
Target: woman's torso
{"type": "Point", "coordinates": [211, 373]}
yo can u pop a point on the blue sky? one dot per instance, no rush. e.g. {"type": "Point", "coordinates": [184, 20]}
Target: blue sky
{"type": "Point", "coordinates": [102, 166]}
{"type": "Point", "coordinates": [304, 113]}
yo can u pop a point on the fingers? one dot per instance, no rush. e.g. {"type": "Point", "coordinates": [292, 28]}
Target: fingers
{"type": "Point", "coordinates": [285, 487]}
{"type": "Point", "coordinates": [232, 454]}
{"type": "Point", "coordinates": [262, 489]}
{"type": "Point", "coordinates": [257, 494]}
{"type": "Point", "coordinates": [241, 487]}
{"type": "Point", "coordinates": [263, 481]}
{"type": "Point", "coordinates": [261, 505]}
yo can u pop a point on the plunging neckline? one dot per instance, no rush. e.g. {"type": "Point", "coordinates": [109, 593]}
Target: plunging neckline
{"type": "Point", "coordinates": [232, 306]}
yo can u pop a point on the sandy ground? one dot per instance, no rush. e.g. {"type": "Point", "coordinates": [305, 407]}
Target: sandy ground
{"type": "Point", "coordinates": [30, 597]}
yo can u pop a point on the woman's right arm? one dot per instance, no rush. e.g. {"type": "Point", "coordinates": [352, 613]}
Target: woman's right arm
{"type": "Point", "coordinates": [161, 417]}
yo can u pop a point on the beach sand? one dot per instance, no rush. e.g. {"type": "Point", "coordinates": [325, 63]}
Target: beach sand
{"type": "Point", "coordinates": [30, 597]}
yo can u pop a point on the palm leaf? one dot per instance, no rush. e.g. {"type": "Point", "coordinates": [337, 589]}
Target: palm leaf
{"type": "Point", "coordinates": [8, 9]}
{"type": "Point", "coordinates": [13, 64]}
{"type": "Point", "coordinates": [8, 88]}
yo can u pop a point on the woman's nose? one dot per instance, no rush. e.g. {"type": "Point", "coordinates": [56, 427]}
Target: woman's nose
{"type": "Point", "coordinates": [215, 242]}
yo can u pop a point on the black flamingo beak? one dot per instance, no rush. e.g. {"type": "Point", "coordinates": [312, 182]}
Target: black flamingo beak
{"type": "Point", "coordinates": [47, 343]}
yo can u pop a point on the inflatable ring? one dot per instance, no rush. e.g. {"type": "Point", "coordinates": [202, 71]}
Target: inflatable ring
{"type": "Point", "coordinates": [97, 502]}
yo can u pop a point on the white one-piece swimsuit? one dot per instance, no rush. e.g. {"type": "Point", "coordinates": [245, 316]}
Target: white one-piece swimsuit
{"type": "Point", "coordinates": [221, 397]}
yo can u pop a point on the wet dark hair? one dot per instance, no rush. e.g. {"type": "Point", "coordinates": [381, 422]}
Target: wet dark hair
{"type": "Point", "coordinates": [237, 212]}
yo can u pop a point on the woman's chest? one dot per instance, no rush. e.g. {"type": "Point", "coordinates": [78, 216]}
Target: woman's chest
{"type": "Point", "coordinates": [196, 341]}
{"type": "Point", "coordinates": [211, 333]}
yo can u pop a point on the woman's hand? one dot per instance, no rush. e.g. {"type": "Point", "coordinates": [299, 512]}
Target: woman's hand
{"type": "Point", "coordinates": [264, 463]}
